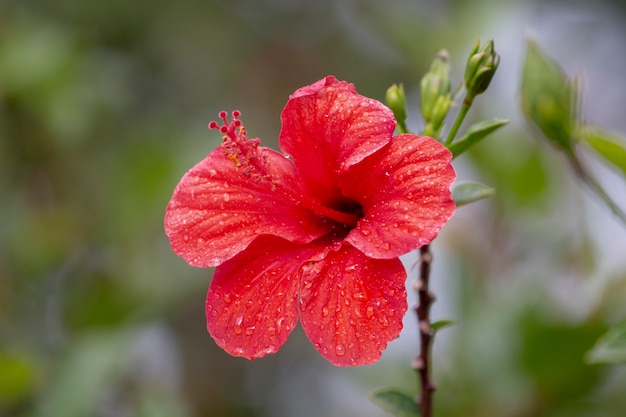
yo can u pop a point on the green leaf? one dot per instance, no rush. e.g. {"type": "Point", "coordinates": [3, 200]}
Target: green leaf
{"type": "Point", "coordinates": [396, 402]}
{"type": "Point", "coordinates": [549, 99]}
{"type": "Point", "coordinates": [80, 378]}
{"type": "Point", "coordinates": [440, 324]}
{"type": "Point", "coordinates": [468, 192]}
{"type": "Point", "coordinates": [17, 379]}
{"type": "Point", "coordinates": [609, 146]}
{"type": "Point", "coordinates": [610, 348]}
{"type": "Point", "coordinates": [475, 133]}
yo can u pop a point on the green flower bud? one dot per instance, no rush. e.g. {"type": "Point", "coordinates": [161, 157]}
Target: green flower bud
{"type": "Point", "coordinates": [439, 112]}
{"type": "Point", "coordinates": [396, 101]}
{"type": "Point", "coordinates": [480, 68]}
{"type": "Point", "coordinates": [548, 98]}
{"type": "Point", "coordinates": [435, 84]}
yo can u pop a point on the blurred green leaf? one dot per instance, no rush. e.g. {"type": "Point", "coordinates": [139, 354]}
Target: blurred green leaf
{"type": "Point", "coordinates": [396, 402]}
{"type": "Point", "coordinates": [441, 324]}
{"type": "Point", "coordinates": [610, 348]}
{"type": "Point", "coordinates": [519, 169]}
{"type": "Point", "coordinates": [553, 354]}
{"type": "Point", "coordinates": [82, 377]}
{"type": "Point", "coordinates": [468, 192]}
{"type": "Point", "coordinates": [609, 146]}
{"type": "Point", "coordinates": [475, 133]}
{"type": "Point", "coordinates": [548, 98]}
{"type": "Point", "coordinates": [17, 377]}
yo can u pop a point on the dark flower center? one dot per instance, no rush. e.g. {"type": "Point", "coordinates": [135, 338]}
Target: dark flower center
{"type": "Point", "coordinates": [346, 212]}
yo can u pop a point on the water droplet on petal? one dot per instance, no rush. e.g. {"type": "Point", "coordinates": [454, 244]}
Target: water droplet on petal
{"type": "Point", "coordinates": [340, 350]}
{"type": "Point", "coordinates": [226, 196]}
{"type": "Point", "coordinates": [369, 312]}
{"type": "Point", "coordinates": [279, 323]}
{"type": "Point", "coordinates": [360, 296]}
{"type": "Point", "coordinates": [324, 311]}
{"type": "Point", "coordinates": [250, 330]}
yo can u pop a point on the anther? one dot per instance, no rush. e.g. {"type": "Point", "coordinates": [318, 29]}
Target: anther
{"type": "Point", "coordinates": [225, 126]}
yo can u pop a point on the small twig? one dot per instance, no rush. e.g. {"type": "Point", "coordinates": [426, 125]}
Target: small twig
{"type": "Point", "coordinates": [422, 361]}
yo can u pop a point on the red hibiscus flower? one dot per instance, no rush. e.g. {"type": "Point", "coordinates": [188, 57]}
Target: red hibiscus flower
{"type": "Point", "coordinates": [314, 235]}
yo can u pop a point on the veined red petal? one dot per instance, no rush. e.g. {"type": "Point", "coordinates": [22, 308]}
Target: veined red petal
{"type": "Point", "coordinates": [328, 127]}
{"type": "Point", "coordinates": [351, 306]}
{"type": "Point", "coordinates": [404, 190]}
{"type": "Point", "coordinates": [308, 90]}
{"type": "Point", "coordinates": [252, 303]}
{"type": "Point", "coordinates": [216, 210]}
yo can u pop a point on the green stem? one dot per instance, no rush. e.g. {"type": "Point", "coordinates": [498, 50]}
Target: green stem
{"type": "Point", "coordinates": [467, 103]}
{"type": "Point", "coordinates": [401, 127]}
{"type": "Point", "coordinates": [458, 91]}
{"type": "Point", "coordinates": [428, 131]}
{"type": "Point", "coordinates": [591, 182]}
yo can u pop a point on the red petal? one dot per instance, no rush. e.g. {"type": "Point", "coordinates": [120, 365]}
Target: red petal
{"type": "Point", "coordinates": [251, 305]}
{"type": "Point", "coordinates": [216, 210]}
{"type": "Point", "coordinates": [352, 305]}
{"type": "Point", "coordinates": [404, 190]}
{"type": "Point", "coordinates": [327, 127]}
{"type": "Point", "coordinates": [315, 87]}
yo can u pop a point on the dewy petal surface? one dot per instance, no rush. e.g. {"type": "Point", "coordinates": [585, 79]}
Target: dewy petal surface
{"type": "Point", "coordinates": [252, 302]}
{"type": "Point", "coordinates": [327, 127]}
{"type": "Point", "coordinates": [404, 190]}
{"type": "Point", "coordinates": [216, 210]}
{"type": "Point", "coordinates": [352, 306]}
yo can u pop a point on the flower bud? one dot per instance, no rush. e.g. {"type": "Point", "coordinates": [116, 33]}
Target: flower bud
{"type": "Point", "coordinates": [439, 113]}
{"type": "Point", "coordinates": [480, 68]}
{"type": "Point", "coordinates": [396, 101]}
{"type": "Point", "coordinates": [434, 85]}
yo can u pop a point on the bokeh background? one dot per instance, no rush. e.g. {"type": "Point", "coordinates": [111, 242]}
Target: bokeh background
{"type": "Point", "coordinates": [103, 107]}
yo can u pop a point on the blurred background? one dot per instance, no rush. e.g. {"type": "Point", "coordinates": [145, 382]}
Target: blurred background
{"type": "Point", "coordinates": [104, 106]}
